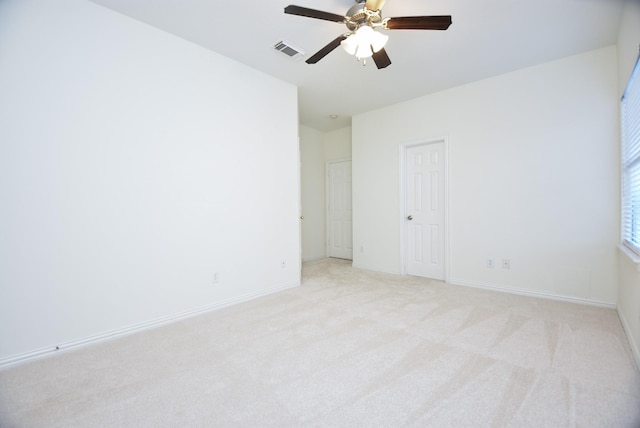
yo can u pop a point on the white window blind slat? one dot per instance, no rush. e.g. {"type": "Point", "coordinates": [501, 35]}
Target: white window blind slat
{"type": "Point", "coordinates": [630, 109]}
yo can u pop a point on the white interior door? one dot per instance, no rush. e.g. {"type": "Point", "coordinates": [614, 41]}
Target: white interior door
{"type": "Point", "coordinates": [339, 229]}
{"type": "Point", "coordinates": [424, 218]}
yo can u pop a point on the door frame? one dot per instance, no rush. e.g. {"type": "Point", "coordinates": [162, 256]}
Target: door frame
{"type": "Point", "coordinates": [403, 147]}
{"type": "Point", "coordinates": [327, 187]}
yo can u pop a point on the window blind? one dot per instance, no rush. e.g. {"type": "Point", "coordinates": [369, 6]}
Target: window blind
{"type": "Point", "coordinates": [630, 111]}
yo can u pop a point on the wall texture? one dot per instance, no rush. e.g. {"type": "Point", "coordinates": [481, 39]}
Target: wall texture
{"type": "Point", "coordinates": [129, 176]}
{"type": "Point", "coordinates": [533, 177]}
{"type": "Point", "coordinates": [629, 287]}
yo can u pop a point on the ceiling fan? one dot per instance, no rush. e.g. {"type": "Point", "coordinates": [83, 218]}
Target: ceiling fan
{"type": "Point", "coordinates": [362, 20]}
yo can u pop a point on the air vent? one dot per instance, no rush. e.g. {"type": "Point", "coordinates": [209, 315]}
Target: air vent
{"type": "Point", "coordinates": [289, 50]}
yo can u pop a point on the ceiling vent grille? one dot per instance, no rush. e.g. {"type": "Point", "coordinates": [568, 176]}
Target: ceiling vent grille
{"type": "Point", "coordinates": [288, 49]}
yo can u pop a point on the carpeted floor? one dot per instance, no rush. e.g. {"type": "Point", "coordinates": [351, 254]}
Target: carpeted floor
{"type": "Point", "coordinates": [349, 348]}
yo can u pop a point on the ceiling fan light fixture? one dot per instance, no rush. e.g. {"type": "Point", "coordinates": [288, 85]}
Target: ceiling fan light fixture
{"type": "Point", "coordinates": [364, 42]}
{"type": "Point", "coordinates": [350, 44]}
{"type": "Point", "coordinates": [363, 51]}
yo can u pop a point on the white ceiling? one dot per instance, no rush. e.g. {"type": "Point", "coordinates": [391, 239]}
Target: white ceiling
{"type": "Point", "coordinates": [487, 38]}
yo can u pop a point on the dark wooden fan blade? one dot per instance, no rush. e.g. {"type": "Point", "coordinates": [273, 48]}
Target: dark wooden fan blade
{"type": "Point", "coordinates": [325, 50]}
{"type": "Point", "coordinates": [312, 13]}
{"type": "Point", "coordinates": [419, 23]}
{"type": "Point", "coordinates": [381, 59]}
{"type": "Point", "coordinates": [374, 5]}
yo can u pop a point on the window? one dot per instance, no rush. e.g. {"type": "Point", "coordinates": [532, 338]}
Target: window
{"type": "Point", "coordinates": [630, 111]}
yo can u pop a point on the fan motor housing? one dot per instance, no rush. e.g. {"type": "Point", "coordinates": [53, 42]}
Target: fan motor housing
{"type": "Point", "coordinates": [358, 17]}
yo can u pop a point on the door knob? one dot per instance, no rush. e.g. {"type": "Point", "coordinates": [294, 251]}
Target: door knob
{"type": "Point", "coordinates": [301, 217]}
{"type": "Point", "coordinates": [410, 217]}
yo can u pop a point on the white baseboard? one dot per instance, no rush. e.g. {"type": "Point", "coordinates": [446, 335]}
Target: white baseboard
{"type": "Point", "coordinates": [135, 328]}
{"type": "Point", "coordinates": [533, 293]}
{"type": "Point", "coordinates": [632, 343]}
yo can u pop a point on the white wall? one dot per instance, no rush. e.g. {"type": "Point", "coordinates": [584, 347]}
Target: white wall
{"type": "Point", "coordinates": [337, 144]}
{"type": "Point", "coordinates": [133, 165]}
{"type": "Point", "coordinates": [533, 177]}
{"type": "Point", "coordinates": [629, 286]}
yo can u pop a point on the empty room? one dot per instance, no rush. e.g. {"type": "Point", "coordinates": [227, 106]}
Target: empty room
{"type": "Point", "coordinates": [434, 220]}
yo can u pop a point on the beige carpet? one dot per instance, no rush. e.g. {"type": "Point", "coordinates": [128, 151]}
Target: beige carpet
{"type": "Point", "coordinates": [349, 348]}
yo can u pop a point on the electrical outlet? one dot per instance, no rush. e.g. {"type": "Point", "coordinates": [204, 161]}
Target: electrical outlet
{"type": "Point", "coordinates": [506, 264]}
{"type": "Point", "coordinates": [490, 264]}
{"type": "Point", "coordinates": [216, 278]}
{"type": "Point", "coordinates": [283, 263]}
